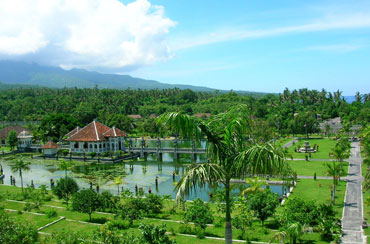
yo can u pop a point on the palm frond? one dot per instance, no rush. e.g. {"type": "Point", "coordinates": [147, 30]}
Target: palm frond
{"type": "Point", "coordinates": [184, 124]}
{"type": "Point", "coordinates": [20, 164]}
{"type": "Point", "coordinates": [198, 175]}
{"type": "Point", "coordinates": [261, 159]}
{"type": "Point", "coordinates": [367, 180]}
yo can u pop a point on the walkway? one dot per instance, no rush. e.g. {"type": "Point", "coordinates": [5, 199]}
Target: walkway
{"type": "Point", "coordinates": [290, 143]}
{"type": "Point", "coordinates": [353, 212]}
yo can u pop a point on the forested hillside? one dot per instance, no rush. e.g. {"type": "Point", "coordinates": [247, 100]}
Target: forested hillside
{"type": "Point", "coordinates": [287, 112]}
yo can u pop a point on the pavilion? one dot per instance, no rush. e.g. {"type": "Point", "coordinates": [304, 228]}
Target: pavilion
{"type": "Point", "coordinates": [96, 137]}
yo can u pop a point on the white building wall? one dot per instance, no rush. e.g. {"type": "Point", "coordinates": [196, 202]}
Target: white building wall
{"type": "Point", "coordinates": [112, 144]}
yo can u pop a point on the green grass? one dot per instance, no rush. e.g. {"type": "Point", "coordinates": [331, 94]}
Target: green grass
{"type": "Point", "coordinates": [366, 206]}
{"type": "Point", "coordinates": [65, 225]}
{"type": "Point", "coordinates": [257, 233]}
{"type": "Point", "coordinates": [283, 141]}
{"type": "Point", "coordinates": [319, 191]}
{"type": "Point", "coordinates": [308, 168]}
{"type": "Point", "coordinates": [325, 146]}
{"type": "Point", "coordinates": [36, 220]}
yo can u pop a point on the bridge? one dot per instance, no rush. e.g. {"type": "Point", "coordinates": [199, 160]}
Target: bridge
{"type": "Point", "coordinates": [159, 150]}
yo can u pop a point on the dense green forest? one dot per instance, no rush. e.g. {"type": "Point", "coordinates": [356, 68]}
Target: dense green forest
{"type": "Point", "coordinates": [286, 112]}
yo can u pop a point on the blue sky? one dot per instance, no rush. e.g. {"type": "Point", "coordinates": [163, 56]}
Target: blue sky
{"type": "Point", "coordinates": [240, 44]}
{"type": "Point", "coordinates": [266, 45]}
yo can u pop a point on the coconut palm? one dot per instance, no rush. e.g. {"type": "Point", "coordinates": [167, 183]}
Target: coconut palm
{"type": "Point", "coordinates": [64, 165]}
{"type": "Point", "coordinates": [231, 154]}
{"type": "Point", "coordinates": [255, 185]}
{"type": "Point", "coordinates": [334, 170]}
{"type": "Point", "coordinates": [20, 165]}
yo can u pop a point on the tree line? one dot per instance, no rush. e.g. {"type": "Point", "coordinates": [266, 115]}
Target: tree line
{"type": "Point", "coordinates": [290, 112]}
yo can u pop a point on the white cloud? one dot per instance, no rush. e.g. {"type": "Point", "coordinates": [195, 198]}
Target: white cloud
{"type": "Point", "coordinates": [327, 23]}
{"type": "Point", "coordinates": [84, 33]}
{"type": "Point", "coordinates": [337, 47]}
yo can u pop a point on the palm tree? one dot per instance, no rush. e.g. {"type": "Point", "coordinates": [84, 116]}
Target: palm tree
{"type": "Point", "coordinates": [294, 232]}
{"type": "Point", "coordinates": [358, 97]}
{"type": "Point", "coordinates": [20, 165]}
{"type": "Point", "coordinates": [334, 170]}
{"type": "Point", "coordinates": [340, 152]}
{"type": "Point", "coordinates": [64, 165]}
{"type": "Point", "coordinates": [255, 185]}
{"type": "Point", "coordinates": [118, 181]}
{"type": "Point", "coordinates": [327, 129]}
{"type": "Point", "coordinates": [231, 154]}
{"type": "Point", "coordinates": [280, 235]}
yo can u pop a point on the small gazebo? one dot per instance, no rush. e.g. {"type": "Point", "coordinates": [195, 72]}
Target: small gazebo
{"type": "Point", "coordinates": [50, 148]}
{"type": "Point", "coordinates": [24, 141]}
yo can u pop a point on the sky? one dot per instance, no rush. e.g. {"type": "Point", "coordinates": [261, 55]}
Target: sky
{"type": "Point", "coordinates": [260, 46]}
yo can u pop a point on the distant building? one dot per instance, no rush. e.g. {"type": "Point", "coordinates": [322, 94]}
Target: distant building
{"type": "Point", "coordinates": [5, 132]}
{"type": "Point", "coordinates": [202, 115]}
{"type": "Point", "coordinates": [334, 124]}
{"type": "Point", "coordinates": [24, 141]}
{"type": "Point", "coordinates": [96, 137]}
{"type": "Point", "coordinates": [50, 148]}
{"type": "Point", "coordinates": [135, 116]}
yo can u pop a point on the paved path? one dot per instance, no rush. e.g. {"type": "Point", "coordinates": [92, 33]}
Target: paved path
{"type": "Point", "coordinates": [315, 159]}
{"type": "Point", "coordinates": [290, 143]}
{"type": "Point", "coordinates": [318, 177]}
{"type": "Point", "coordinates": [353, 212]}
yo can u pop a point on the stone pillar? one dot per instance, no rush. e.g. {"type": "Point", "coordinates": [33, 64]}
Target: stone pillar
{"type": "Point", "coordinates": [160, 156]}
{"type": "Point", "coordinates": [176, 149]}
{"type": "Point", "coordinates": [194, 157]}
{"type": "Point", "coordinates": [142, 154]}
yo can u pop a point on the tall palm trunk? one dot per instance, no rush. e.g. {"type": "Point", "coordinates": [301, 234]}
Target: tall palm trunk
{"type": "Point", "coordinates": [20, 174]}
{"type": "Point", "coordinates": [333, 189]}
{"type": "Point", "coordinates": [228, 227]}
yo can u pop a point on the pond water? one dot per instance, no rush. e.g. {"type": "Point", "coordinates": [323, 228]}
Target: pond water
{"type": "Point", "coordinates": [140, 173]}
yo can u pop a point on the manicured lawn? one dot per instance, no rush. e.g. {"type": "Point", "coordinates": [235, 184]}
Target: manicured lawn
{"type": "Point", "coordinates": [257, 233]}
{"type": "Point", "coordinates": [65, 225]}
{"type": "Point", "coordinates": [308, 168]}
{"type": "Point", "coordinates": [36, 220]}
{"type": "Point", "coordinates": [366, 194]}
{"type": "Point", "coordinates": [319, 191]}
{"type": "Point", "coordinates": [325, 146]}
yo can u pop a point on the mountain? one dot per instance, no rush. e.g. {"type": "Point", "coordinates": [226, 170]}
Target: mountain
{"type": "Point", "coordinates": [22, 73]}
{"type": "Point", "coordinates": [350, 99]}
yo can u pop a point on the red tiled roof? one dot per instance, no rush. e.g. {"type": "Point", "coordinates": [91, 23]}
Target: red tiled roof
{"type": "Point", "coordinates": [95, 131]}
{"type": "Point", "coordinates": [74, 131]}
{"type": "Point", "coordinates": [135, 116]}
{"type": "Point", "coordinates": [202, 115]}
{"type": "Point", "coordinates": [50, 145]}
{"type": "Point", "coordinates": [113, 132]}
{"type": "Point", "coordinates": [18, 129]}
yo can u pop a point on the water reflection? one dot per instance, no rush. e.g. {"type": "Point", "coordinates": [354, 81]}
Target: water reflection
{"type": "Point", "coordinates": [159, 176]}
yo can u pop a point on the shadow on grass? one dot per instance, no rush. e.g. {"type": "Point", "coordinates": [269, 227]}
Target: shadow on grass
{"type": "Point", "coordinates": [307, 242]}
{"type": "Point", "coordinates": [100, 220]}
